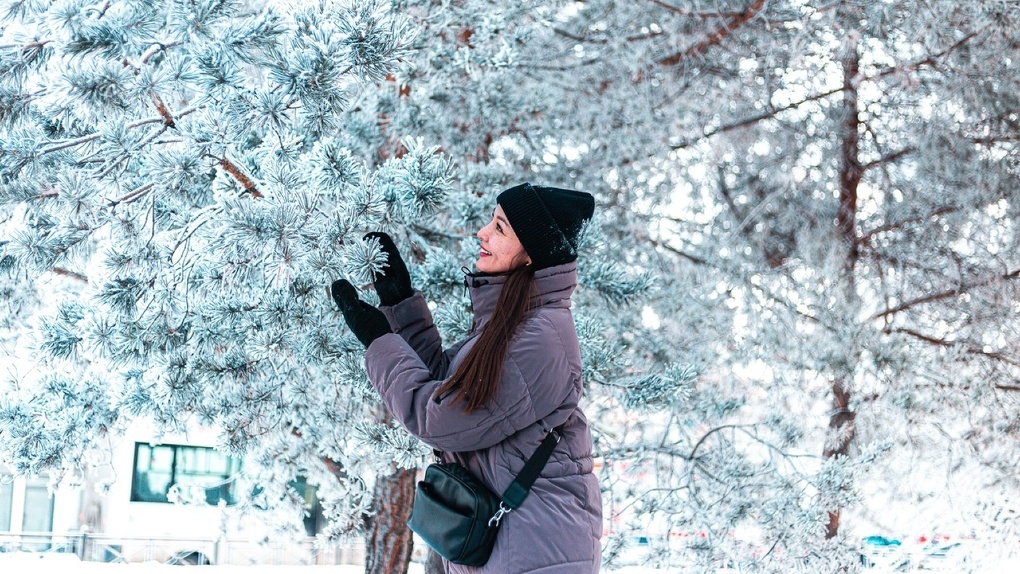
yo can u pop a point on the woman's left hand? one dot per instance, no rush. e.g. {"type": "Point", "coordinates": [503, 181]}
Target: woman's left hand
{"type": "Point", "coordinates": [393, 285]}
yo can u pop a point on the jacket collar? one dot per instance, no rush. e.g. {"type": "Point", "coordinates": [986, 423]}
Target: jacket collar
{"type": "Point", "coordinates": [553, 287]}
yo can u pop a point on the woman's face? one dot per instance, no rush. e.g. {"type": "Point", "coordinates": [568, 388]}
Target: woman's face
{"type": "Point", "coordinates": [501, 250]}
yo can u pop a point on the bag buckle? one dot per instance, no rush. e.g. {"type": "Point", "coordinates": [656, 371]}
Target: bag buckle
{"type": "Point", "coordinates": [503, 510]}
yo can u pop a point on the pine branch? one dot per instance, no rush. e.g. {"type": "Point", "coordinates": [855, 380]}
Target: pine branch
{"type": "Point", "coordinates": [127, 156]}
{"type": "Point", "coordinates": [132, 195]}
{"type": "Point", "coordinates": [71, 274]}
{"type": "Point", "coordinates": [157, 48]}
{"type": "Point", "coordinates": [717, 36]}
{"type": "Point", "coordinates": [235, 171]}
{"type": "Point", "coordinates": [70, 143]}
{"type": "Point", "coordinates": [162, 118]}
{"type": "Point", "coordinates": [168, 118]}
{"type": "Point", "coordinates": [950, 293]}
{"type": "Point", "coordinates": [22, 48]}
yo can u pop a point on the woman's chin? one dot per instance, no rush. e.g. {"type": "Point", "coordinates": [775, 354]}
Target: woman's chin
{"type": "Point", "coordinates": [486, 265]}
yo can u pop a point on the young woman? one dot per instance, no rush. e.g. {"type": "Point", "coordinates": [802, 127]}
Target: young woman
{"type": "Point", "coordinates": [489, 400]}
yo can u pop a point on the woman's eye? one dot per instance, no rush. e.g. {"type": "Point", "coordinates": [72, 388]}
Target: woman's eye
{"type": "Point", "coordinates": [499, 228]}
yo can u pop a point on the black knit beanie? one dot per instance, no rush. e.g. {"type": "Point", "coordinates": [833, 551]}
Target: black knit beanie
{"type": "Point", "coordinates": [547, 220]}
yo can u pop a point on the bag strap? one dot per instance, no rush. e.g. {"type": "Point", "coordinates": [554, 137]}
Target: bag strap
{"type": "Point", "coordinates": [515, 494]}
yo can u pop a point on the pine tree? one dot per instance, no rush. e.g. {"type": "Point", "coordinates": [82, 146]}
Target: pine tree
{"type": "Point", "coordinates": [181, 183]}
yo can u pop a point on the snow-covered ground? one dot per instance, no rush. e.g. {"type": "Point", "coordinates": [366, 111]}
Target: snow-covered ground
{"type": "Point", "coordinates": [28, 563]}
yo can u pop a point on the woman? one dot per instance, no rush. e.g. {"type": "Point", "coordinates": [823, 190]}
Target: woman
{"type": "Point", "coordinates": [489, 400]}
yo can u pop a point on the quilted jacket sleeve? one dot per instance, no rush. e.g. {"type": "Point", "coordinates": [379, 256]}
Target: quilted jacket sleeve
{"type": "Point", "coordinates": [536, 380]}
{"type": "Point", "coordinates": [412, 320]}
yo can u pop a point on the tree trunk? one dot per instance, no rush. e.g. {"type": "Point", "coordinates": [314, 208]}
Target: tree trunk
{"type": "Point", "coordinates": [841, 425]}
{"type": "Point", "coordinates": [434, 563]}
{"type": "Point", "coordinates": [388, 541]}
{"type": "Point", "coordinates": [841, 419]}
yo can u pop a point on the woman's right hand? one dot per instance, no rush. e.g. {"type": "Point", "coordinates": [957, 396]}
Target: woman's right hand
{"type": "Point", "coordinates": [365, 321]}
{"type": "Point", "coordinates": [394, 284]}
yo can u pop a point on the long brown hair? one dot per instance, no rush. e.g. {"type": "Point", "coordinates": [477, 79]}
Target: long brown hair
{"type": "Point", "coordinates": [477, 378]}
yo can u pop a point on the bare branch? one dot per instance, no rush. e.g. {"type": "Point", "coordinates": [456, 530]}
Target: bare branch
{"type": "Point", "coordinates": [888, 158]}
{"type": "Point", "coordinates": [903, 223]}
{"type": "Point", "coordinates": [962, 344]}
{"type": "Point", "coordinates": [692, 258]}
{"type": "Point", "coordinates": [572, 36]}
{"type": "Point", "coordinates": [932, 297]}
{"type": "Point", "coordinates": [696, 13]}
{"type": "Point", "coordinates": [757, 118]}
{"type": "Point", "coordinates": [932, 59]}
{"type": "Point", "coordinates": [990, 140]}
{"type": "Point", "coordinates": [716, 36]}
{"type": "Point", "coordinates": [929, 60]}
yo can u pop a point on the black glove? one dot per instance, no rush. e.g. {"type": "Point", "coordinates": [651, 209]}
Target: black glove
{"type": "Point", "coordinates": [366, 322]}
{"type": "Point", "coordinates": [394, 284]}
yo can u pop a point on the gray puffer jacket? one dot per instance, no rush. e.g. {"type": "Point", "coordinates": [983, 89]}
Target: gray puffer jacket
{"type": "Point", "coordinates": [559, 526]}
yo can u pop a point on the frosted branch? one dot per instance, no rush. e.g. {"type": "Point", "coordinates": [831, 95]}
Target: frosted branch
{"type": "Point", "coordinates": [716, 36]}
{"type": "Point", "coordinates": [948, 294]}
{"type": "Point", "coordinates": [235, 171]}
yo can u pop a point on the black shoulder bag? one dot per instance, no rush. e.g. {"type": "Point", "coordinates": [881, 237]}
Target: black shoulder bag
{"type": "Point", "coordinates": [459, 517]}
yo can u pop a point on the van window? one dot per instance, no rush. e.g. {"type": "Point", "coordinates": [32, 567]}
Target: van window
{"type": "Point", "coordinates": [195, 474]}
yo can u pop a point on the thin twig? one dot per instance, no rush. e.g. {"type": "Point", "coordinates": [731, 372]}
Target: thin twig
{"type": "Point", "coordinates": [132, 195]}
{"type": "Point", "coordinates": [71, 274]}
{"type": "Point", "coordinates": [716, 36]}
{"type": "Point", "coordinates": [947, 294]}
{"type": "Point", "coordinates": [902, 223]}
{"type": "Point", "coordinates": [965, 346]}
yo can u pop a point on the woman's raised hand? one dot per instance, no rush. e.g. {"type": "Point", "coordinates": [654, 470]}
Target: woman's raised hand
{"type": "Point", "coordinates": [394, 284]}
{"type": "Point", "coordinates": [366, 322]}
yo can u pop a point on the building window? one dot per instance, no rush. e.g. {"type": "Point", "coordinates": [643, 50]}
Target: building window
{"type": "Point", "coordinates": [37, 515]}
{"type": "Point", "coordinates": [194, 473]}
{"type": "Point", "coordinates": [6, 498]}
